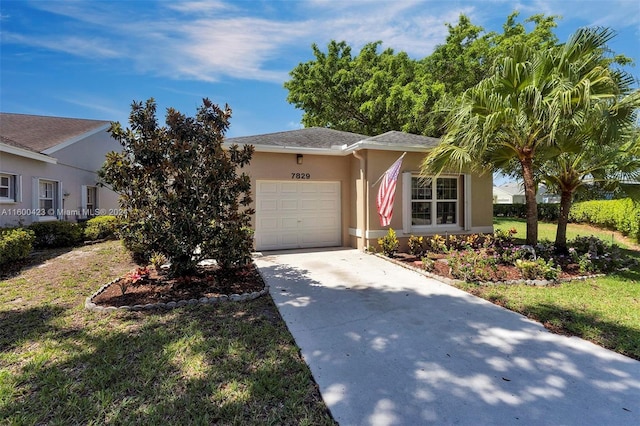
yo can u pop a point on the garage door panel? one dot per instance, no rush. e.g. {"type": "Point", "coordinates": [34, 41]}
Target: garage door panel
{"type": "Point", "coordinates": [268, 205]}
{"type": "Point", "coordinates": [289, 223]}
{"type": "Point", "coordinates": [289, 187]}
{"type": "Point", "coordinates": [289, 204]}
{"type": "Point", "coordinates": [309, 204]}
{"type": "Point", "coordinates": [297, 215]}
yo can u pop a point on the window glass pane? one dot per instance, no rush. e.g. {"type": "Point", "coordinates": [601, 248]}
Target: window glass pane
{"type": "Point", "coordinates": [46, 190]}
{"type": "Point", "coordinates": [4, 192]}
{"type": "Point", "coordinates": [46, 205]}
{"type": "Point", "coordinates": [447, 188]}
{"type": "Point", "coordinates": [420, 213]}
{"type": "Point", "coordinates": [4, 181]}
{"type": "Point", "coordinates": [420, 188]}
{"type": "Point", "coordinates": [446, 212]}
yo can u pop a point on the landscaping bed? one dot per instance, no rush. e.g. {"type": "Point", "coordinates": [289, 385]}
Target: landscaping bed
{"type": "Point", "coordinates": [156, 287]}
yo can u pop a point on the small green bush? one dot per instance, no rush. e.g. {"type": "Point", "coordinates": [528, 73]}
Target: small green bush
{"type": "Point", "coordinates": [101, 227]}
{"type": "Point", "coordinates": [416, 245]}
{"type": "Point", "coordinates": [56, 234]}
{"type": "Point", "coordinates": [15, 244]}
{"type": "Point", "coordinates": [389, 243]}
{"type": "Point", "coordinates": [539, 268]}
{"type": "Point", "coordinates": [621, 215]}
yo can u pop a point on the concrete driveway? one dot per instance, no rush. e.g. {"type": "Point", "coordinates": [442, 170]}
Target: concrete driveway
{"type": "Point", "coordinates": [388, 346]}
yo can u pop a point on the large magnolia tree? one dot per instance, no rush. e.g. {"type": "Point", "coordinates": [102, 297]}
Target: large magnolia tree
{"type": "Point", "coordinates": [180, 190]}
{"type": "Point", "coordinates": [522, 112]}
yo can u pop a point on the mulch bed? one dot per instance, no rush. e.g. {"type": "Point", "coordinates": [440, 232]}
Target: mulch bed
{"type": "Point", "coordinates": [210, 281]}
{"type": "Point", "coordinates": [502, 273]}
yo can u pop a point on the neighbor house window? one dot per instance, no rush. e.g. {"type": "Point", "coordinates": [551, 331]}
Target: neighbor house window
{"type": "Point", "coordinates": [433, 202]}
{"type": "Point", "coordinates": [48, 197]}
{"type": "Point", "coordinates": [10, 188]}
{"type": "Point", "coordinates": [91, 201]}
{"type": "Point", "coordinates": [7, 187]}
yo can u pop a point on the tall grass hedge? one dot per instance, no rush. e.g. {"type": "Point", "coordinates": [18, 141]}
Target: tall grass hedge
{"type": "Point", "coordinates": [621, 215]}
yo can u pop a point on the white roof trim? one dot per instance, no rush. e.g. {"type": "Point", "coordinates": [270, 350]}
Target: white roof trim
{"type": "Point", "coordinates": [75, 139]}
{"type": "Point", "coordinates": [339, 150]}
{"type": "Point", "coordinates": [9, 149]}
{"type": "Point", "coordinates": [384, 146]}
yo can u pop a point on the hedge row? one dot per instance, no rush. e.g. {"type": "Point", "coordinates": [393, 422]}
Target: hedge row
{"type": "Point", "coordinates": [546, 212]}
{"type": "Point", "coordinates": [620, 215]}
{"type": "Point", "coordinates": [17, 243]}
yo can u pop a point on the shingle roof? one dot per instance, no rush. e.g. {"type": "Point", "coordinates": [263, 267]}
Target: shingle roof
{"type": "Point", "coordinates": [38, 133]}
{"type": "Point", "coordinates": [312, 137]}
{"type": "Point", "coordinates": [320, 137]}
{"type": "Point", "coordinates": [404, 139]}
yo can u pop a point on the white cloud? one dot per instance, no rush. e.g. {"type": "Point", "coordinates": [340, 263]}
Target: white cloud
{"type": "Point", "coordinates": [85, 47]}
{"type": "Point", "coordinates": [212, 40]}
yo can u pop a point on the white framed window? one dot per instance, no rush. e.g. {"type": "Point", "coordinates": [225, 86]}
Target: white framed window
{"type": "Point", "coordinates": [47, 197]}
{"type": "Point", "coordinates": [9, 188]}
{"type": "Point", "coordinates": [433, 203]}
{"type": "Point", "coordinates": [89, 201]}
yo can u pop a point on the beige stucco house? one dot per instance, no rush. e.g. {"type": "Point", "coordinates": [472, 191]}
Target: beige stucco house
{"type": "Point", "coordinates": [315, 187]}
{"type": "Point", "coordinates": [48, 168]}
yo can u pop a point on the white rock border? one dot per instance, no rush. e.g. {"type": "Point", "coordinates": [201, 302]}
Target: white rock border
{"type": "Point", "coordinates": [88, 303]}
{"type": "Point", "coordinates": [540, 283]}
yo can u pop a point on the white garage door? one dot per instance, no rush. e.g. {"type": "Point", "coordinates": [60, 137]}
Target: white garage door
{"type": "Point", "coordinates": [295, 214]}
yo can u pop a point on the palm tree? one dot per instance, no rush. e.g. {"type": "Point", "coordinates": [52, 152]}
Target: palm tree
{"type": "Point", "coordinates": [597, 146]}
{"type": "Point", "coordinates": [518, 113]}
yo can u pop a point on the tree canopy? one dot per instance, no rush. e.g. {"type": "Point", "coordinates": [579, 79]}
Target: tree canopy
{"type": "Point", "coordinates": [182, 194]}
{"type": "Point", "coordinates": [377, 91]}
{"type": "Point", "coordinates": [541, 110]}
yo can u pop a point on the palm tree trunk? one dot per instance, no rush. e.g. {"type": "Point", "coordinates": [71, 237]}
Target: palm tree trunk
{"type": "Point", "coordinates": [563, 220]}
{"type": "Point", "coordinates": [530, 199]}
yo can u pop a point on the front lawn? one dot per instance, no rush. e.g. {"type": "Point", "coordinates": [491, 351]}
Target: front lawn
{"type": "Point", "coordinates": [232, 363]}
{"type": "Point", "coordinates": [604, 310]}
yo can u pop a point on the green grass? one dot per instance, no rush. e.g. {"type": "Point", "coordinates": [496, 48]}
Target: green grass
{"type": "Point", "coordinates": [233, 363]}
{"type": "Point", "coordinates": [604, 310]}
{"type": "Point", "coordinates": [547, 231]}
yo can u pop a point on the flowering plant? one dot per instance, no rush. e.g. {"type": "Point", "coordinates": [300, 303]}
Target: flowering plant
{"type": "Point", "coordinates": [133, 277]}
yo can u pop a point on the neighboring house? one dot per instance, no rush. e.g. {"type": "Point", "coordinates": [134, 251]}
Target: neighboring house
{"type": "Point", "coordinates": [513, 193]}
{"type": "Point", "coordinates": [48, 168]}
{"type": "Point", "coordinates": [315, 187]}
{"type": "Point", "coordinates": [509, 193]}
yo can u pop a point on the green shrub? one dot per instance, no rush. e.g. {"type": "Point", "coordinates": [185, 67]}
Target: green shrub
{"type": "Point", "coordinates": [15, 244]}
{"type": "Point", "coordinates": [546, 212]}
{"type": "Point", "coordinates": [56, 234]}
{"type": "Point", "coordinates": [620, 215]}
{"type": "Point", "coordinates": [389, 243]}
{"type": "Point", "coordinates": [101, 227]}
{"type": "Point", "coordinates": [539, 268]}
{"type": "Point", "coordinates": [472, 265]}
{"type": "Point", "coordinates": [416, 245]}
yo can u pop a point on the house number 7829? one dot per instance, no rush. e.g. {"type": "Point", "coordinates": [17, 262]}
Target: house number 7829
{"type": "Point", "coordinates": [300, 175]}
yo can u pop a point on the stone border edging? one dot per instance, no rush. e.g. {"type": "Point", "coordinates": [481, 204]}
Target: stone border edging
{"type": "Point", "coordinates": [88, 303]}
{"type": "Point", "coordinates": [452, 282]}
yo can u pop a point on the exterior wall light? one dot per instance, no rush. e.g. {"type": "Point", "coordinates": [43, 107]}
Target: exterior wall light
{"type": "Point", "coordinates": [299, 158]}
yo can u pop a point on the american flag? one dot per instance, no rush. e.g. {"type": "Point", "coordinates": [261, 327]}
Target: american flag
{"type": "Point", "coordinates": [387, 192]}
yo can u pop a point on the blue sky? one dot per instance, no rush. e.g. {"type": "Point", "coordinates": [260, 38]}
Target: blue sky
{"type": "Point", "coordinates": [90, 59]}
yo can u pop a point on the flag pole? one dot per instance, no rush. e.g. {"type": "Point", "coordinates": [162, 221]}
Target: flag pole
{"type": "Point", "coordinates": [380, 178]}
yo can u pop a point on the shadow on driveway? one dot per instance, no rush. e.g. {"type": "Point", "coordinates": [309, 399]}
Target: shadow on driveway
{"type": "Point", "coordinates": [389, 346]}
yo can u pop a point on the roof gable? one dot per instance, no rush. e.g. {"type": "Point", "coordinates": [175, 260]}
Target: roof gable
{"type": "Point", "coordinates": [40, 133]}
